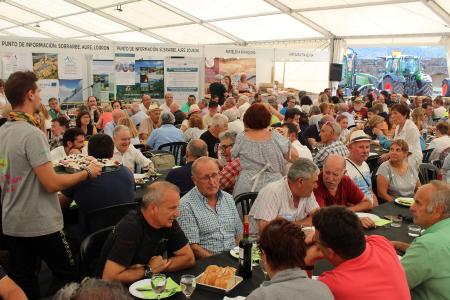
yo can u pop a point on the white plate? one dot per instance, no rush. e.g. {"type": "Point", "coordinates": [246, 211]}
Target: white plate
{"type": "Point", "coordinates": [398, 201]}
{"type": "Point", "coordinates": [235, 252]}
{"type": "Point", "coordinates": [366, 215]}
{"type": "Point", "coordinates": [143, 283]}
{"type": "Point", "coordinates": [140, 176]}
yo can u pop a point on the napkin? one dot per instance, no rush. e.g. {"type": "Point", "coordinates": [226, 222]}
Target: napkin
{"type": "Point", "coordinates": [235, 298]}
{"type": "Point", "coordinates": [382, 222]}
{"type": "Point", "coordinates": [170, 286]}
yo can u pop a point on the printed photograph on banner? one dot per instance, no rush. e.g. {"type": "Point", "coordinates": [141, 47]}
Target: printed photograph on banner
{"type": "Point", "coordinates": [150, 77]}
{"type": "Point", "coordinates": [233, 67]}
{"type": "Point", "coordinates": [49, 89]}
{"type": "Point", "coordinates": [128, 92]}
{"type": "Point", "coordinates": [124, 69]}
{"type": "Point", "coordinates": [70, 66]}
{"type": "Point", "coordinates": [103, 88]}
{"type": "Point", "coordinates": [13, 62]}
{"type": "Point", "coordinates": [45, 65]}
{"type": "Point", "coordinates": [70, 90]}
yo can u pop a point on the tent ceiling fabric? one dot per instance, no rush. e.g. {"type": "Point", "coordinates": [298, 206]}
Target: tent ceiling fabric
{"type": "Point", "coordinates": [225, 21]}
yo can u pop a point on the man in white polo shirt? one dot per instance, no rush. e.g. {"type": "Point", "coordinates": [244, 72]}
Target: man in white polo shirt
{"type": "Point", "coordinates": [291, 197]}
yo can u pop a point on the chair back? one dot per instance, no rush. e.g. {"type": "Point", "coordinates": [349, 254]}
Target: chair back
{"type": "Point", "coordinates": [244, 202]}
{"type": "Point", "coordinates": [427, 172]}
{"type": "Point", "coordinates": [108, 216]}
{"type": "Point", "coordinates": [91, 249]}
{"type": "Point", "coordinates": [178, 149]}
{"type": "Point", "coordinates": [426, 155]}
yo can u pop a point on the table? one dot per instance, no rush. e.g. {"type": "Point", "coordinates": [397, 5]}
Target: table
{"type": "Point", "coordinates": [140, 190]}
{"type": "Point", "coordinates": [248, 285]}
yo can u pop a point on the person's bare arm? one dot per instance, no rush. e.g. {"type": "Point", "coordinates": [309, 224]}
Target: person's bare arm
{"type": "Point", "coordinates": [199, 251]}
{"type": "Point", "coordinates": [115, 272]}
{"type": "Point", "coordinates": [375, 199]}
{"type": "Point", "coordinates": [9, 290]}
{"type": "Point", "coordinates": [54, 182]}
{"type": "Point", "coordinates": [364, 205]}
{"type": "Point", "coordinates": [182, 259]}
{"type": "Point", "coordinates": [400, 246]}
{"type": "Point", "coordinates": [382, 188]}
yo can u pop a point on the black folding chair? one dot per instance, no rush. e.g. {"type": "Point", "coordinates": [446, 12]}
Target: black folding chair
{"type": "Point", "coordinates": [427, 172]}
{"type": "Point", "coordinates": [90, 251]}
{"type": "Point", "coordinates": [373, 163]}
{"type": "Point", "coordinates": [178, 149]}
{"type": "Point", "coordinates": [426, 155]}
{"type": "Point", "coordinates": [245, 201]}
{"type": "Point", "coordinates": [108, 216]}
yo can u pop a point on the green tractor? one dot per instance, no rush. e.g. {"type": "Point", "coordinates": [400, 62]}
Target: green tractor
{"type": "Point", "coordinates": [353, 80]}
{"type": "Point", "coordinates": [403, 75]}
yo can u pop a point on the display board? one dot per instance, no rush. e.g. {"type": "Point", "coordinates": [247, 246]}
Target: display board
{"type": "Point", "coordinates": [182, 78]}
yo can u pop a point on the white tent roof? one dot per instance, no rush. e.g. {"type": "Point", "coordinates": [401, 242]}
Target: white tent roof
{"type": "Point", "coordinates": [226, 21]}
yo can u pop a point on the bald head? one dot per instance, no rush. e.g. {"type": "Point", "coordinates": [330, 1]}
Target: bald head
{"type": "Point", "coordinates": [174, 107]}
{"type": "Point", "coordinates": [335, 161]}
{"type": "Point", "coordinates": [117, 114]}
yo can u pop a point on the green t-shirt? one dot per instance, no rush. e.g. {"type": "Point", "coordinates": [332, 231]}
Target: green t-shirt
{"type": "Point", "coordinates": [427, 263]}
{"type": "Point", "coordinates": [185, 108]}
{"type": "Point", "coordinates": [28, 209]}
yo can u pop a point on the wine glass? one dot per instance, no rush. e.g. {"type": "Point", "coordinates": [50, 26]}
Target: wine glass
{"type": "Point", "coordinates": [158, 284]}
{"type": "Point", "coordinates": [187, 284]}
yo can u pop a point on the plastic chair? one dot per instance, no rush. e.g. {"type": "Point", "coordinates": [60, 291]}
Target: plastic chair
{"type": "Point", "coordinates": [427, 172]}
{"type": "Point", "coordinates": [426, 155]}
{"type": "Point", "coordinates": [108, 216]}
{"type": "Point", "coordinates": [373, 163]}
{"type": "Point", "coordinates": [245, 201]}
{"type": "Point", "coordinates": [178, 149]}
{"type": "Point", "coordinates": [91, 249]}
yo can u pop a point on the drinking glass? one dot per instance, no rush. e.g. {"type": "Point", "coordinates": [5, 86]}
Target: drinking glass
{"type": "Point", "coordinates": [396, 221]}
{"type": "Point", "coordinates": [414, 230]}
{"type": "Point", "coordinates": [158, 284]}
{"type": "Point", "coordinates": [187, 284]}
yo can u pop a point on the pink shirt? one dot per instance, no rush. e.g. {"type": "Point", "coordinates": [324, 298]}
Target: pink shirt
{"type": "Point", "coordinates": [376, 274]}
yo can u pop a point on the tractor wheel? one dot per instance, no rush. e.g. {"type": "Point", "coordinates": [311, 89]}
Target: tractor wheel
{"type": "Point", "coordinates": [446, 87]}
{"type": "Point", "coordinates": [426, 89]}
{"type": "Point", "coordinates": [392, 86]}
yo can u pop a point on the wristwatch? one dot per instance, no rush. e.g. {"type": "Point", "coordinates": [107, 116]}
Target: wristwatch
{"type": "Point", "coordinates": [147, 271]}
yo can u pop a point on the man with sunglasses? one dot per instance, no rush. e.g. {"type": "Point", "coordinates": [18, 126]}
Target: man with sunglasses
{"type": "Point", "coordinates": [208, 216]}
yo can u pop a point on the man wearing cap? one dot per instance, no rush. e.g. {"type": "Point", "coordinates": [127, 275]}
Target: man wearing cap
{"type": "Point", "coordinates": [358, 110]}
{"type": "Point", "coordinates": [356, 166]}
{"type": "Point", "coordinates": [329, 135]}
{"type": "Point", "coordinates": [191, 101]}
{"type": "Point", "coordinates": [217, 89]}
{"type": "Point", "coordinates": [149, 123]}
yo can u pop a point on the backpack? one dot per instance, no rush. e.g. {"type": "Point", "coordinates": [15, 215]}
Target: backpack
{"type": "Point", "coordinates": [162, 160]}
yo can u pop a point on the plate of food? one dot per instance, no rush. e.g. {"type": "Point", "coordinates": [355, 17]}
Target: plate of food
{"type": "Point", "coordinates": [142, 289]}
{"type": "Point", "coordinates": [218, 279]}
{"type": "Point", "coordinates": [404, 201]}
{"type": "Point", "coordinates": [77, 162]}
{"type": "Point", "coordinates": [256, 254]}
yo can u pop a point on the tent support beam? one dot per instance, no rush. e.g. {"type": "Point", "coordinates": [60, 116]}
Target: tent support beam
{"type": "Point", "coordinates": [299, 17]}
{"type": "Point", "coordinates": [300, 10]}
{"type": "Point", "coordinates": [438, 10]}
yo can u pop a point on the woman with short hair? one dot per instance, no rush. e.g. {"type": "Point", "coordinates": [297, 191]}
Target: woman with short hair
{"type": "Point", "coordinates": [283, 249]}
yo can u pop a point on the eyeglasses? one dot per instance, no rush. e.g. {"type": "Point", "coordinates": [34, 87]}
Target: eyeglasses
{"type": "Point", "coordinates": [205, 178]}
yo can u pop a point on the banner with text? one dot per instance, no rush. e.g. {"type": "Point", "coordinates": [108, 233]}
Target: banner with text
{"type": "Point", "coordinates": [182, 78]}
{"type": "Point", "coordinates": [301, 55]}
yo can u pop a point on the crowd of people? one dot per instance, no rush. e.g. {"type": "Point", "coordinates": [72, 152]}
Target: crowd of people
{"type": "Point", "coordinates": [306, 159]}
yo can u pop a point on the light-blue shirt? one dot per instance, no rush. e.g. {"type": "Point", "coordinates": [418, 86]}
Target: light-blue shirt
{"type": "Point", "coordinates": [167, 133]}
{"type": "Point", "coordinates": [214, 230]}
{"type": "Point", "coordinates": [109, 128]}
{"type": "Point", "coordinates": [137, 118]}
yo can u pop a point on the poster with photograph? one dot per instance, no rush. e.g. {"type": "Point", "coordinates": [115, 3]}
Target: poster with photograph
{"type": "Point", "coordinates": [128, 92]}
{"type": "Point", "coordinates": [49, 89]}
{"type": "Point", "coordinates": [150, 77]}
{"type": "Point", "coordinates": [182, 78]}
{"type": "Point", "coordinates": [233, 67]}
{"type": "Point", "coordinates": [103, 89]}
{"type": "Point", "coordinates": [124, 68]}
{"type": "Point", "coordinates": [70, 66]}
{"type": "Point", "coordinates": [70, 90]}
{"type": "Point", "coordinates": [13, 62]}
{"type": "Point", "coordinates": [45, 65]}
